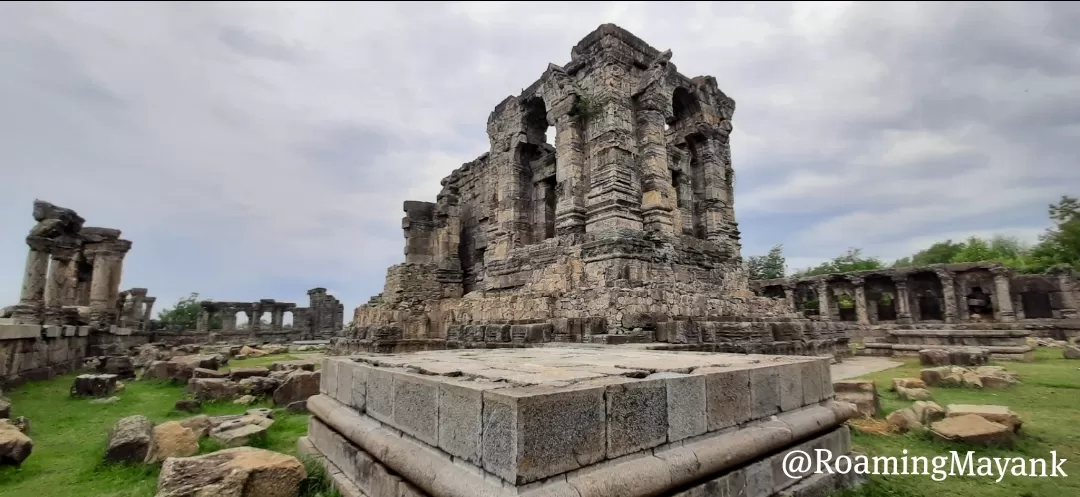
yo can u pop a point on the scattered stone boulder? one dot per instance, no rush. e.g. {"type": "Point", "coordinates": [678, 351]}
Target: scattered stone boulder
{"type": "Point", "coordinates": [245, 400]}
{"type": "Point", "coordinates": [198, 361]}
{"type": "Point", "coordinates": [148, 353]}
{"type": "Point", "coordinates": [172, 439]}
{"type": "Point", "coordinates": [15, 446]}
{"type": "Point", "coordinates": [959, 356]}
{"type": "Point", "coordinates": [998, 414]}
{"type": "Point", "coordinates": [904, 420]}
{"type": "Point", "coordinates": [927, 412]}
{"type": "Point", "coordinates": [980, 377]}
{"type": "Point", "coordinates": [862, 393]}
{"type": "Point", "coordinates": [907, 383]}
{"type": "Point", "coordinates": [188, 405]}
{"type": "Point", "coordinates": [261, 385]}
{"type": "Point", "coordinates": [274, 349]}
{"type": "Point", "coordinates": [162, 370]}
{"type": "Point", "coordinates": [241, 431]}
{"type": "Point", "coordinates": [298, 407]}
{"type": "Point", "coordinates": [239, 472]}
{"type": "Point", "coordinates": [260, 411]}
{"type": "Point", "coordinates": [306, 365]}
{"type": "Point", "coordinates": [1071, 352]}
{"type": "Point", "coordinates": [973, 429]}
{"type": "Point", "coordinates": [297, 386]}
{"type": "Point", "coordinates": [130, 440]}
{"type": "Point", "coordinates": [94, 385]}
{"type": "Point", "coordinates": [119, 365]}
{"type": "Point", "coordinates": [237, 374]}
{"type": "Point", "coordinates": [110, 400]}
{"type": "Point", "coordinates": [208, 373]}
{"type": "Point", "coordinates": [247, 352]}
{"type": "Point", "coordinates": [200, 425]}
{"type": "Point", "coordinates": [914, 393]}
{"type": "Point", "coordinates": [5, 408]}
{"type": "Point", "coordinates": [209, 389]}
{"type": "Point", "coordinates": [22, 424]}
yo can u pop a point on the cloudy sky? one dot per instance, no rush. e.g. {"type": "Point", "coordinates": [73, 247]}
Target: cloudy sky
{"type": "Point", "coordinates": [258, 150]}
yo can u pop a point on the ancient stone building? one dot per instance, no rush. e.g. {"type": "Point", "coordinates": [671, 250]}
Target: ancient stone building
{"type": "Point", "coordinates": [944, 304]}
{"type": "Point", "coordinates": [624, 231]}
{"type": "Point", "coordinates": [70, 306]}
{"type": "Point", "coordinates": [323, 318]}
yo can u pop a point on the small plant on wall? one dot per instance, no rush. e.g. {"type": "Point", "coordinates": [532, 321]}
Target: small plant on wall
{"type": "Point", "coordinates": [587, 107]}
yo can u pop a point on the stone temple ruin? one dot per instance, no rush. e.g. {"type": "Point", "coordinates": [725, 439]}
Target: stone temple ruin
{"type": "Point", "coordinates": [322, 319]}
{"type": "Point", "coordinates": [621, 243]}
{"type": "Point", "coordinates": [624, 232]}
{"type": "Point", "coordinates": [904, 310]}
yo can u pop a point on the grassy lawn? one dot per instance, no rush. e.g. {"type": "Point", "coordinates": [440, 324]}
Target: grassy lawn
{"type": "Point", "coordinates": [1048, 401]}
{"type": "Point", "coordinates": [69, 436]}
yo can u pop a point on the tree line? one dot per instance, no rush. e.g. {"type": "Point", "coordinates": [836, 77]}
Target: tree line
{"type": "Point", "coordinates": [1059, 245]}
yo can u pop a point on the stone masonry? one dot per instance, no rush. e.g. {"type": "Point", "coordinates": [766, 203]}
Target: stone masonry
{"type": "Point", "coordinates": [322, 319]}
{"type": "Point", "coordinates": [624, 231]}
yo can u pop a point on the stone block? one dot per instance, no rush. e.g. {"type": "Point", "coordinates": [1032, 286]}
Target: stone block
{"type": "Point", "coordinates": [416, 407]}
{"type": "Point", "coordinates": [461, 417]}
{"type": "Point", "coordinates": [53, 331]}
{"type": "Point", "coordinates": [531, 433]}
{"type": "Point", "coordinates": [764, 391]}
{"type": "Point", "coordinates": [686, 405]}
{"type": "Point", "coordinates": [357, 383]}
{"type": "Point", "coordinates": [380, 394]}
{"type": "Point", "coordinates": [329, 369]}
{"type": "Point", "coordinates": [20, 331]}
{"type": "Point", "coordinates": [70, 331]}
{"type": "Point", "coordinates": [116, 330]}
{"type": "Point", "coordinates": [791, 377]}
{"type": "Point", "coordinates": [83, 331]}
{"type": "Point", "coordinates": [727, 397]}
{"type": "Point", "coordinates": [816, 381]}
{"type": "Point", "coordinates": [637, 416]}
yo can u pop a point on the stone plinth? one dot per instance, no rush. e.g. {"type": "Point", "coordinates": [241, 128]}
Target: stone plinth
{"type": "Point", "coordinates": [606, 421]}
{"type": "Point", "coordinates": [1004, 345]}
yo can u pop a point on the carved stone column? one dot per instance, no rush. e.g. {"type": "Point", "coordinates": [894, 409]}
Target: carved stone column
{"type": "Point", "coordinates": [120, 249]}
{"type": "Point", "coordinates": [658, 196]}
{"type": "Point", "coordinates": [1064, 276]}
{"type": "Point", "coordinates": [1003, 294]}
{"type": "Point", "coordinates": [275, 319]}
{"type": "Point", "coordinates": [824, 306]}
{"type": "Point", "coordinates": [948, 294]}
{"type": "Point", "coordinates": [569, 174]}
{"type": "Point", "coordinates": [860, 300]}
{"type": "Point", "coordinates": [102, 254]}
{"type": "Point", "coordinates": [256, 320]}
{"type": "Point", "coordinates": [148, 312]}
{"type": "Point", "coordinates": [228, 319]}
{"type": "Point", "coordinates": [903, 299]}
{"type": "Point", "coordinates": [32, 298]}
{"type": "Point", "coordinates": [202, 325]}
{"type": "Point", "coordinates": [789, 296]}
{"type": "Point", "coordinates": [60, 286]}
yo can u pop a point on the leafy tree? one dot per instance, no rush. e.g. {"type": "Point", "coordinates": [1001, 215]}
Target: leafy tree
{"type": "Point", "coordinates": [938, 253]}
{"type": "Point", "coordinates": [1061, 243]}
{"type": "Point", "coordinates": [852, 260]}
{"type": "Point", "coordinates": [185, 315]}
{"type": "Point", "coordinates": [769, 266]}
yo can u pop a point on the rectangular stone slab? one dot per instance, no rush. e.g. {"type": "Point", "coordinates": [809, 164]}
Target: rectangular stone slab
{"type": "Point", "coordinates": [529, 414]}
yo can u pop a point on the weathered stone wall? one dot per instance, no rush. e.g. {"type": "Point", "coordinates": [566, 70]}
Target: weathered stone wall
{"type": "Point", "coordinates": [35, 352]}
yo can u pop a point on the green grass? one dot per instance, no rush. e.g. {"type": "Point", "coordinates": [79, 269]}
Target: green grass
{"type": "Point", "coordinates": [69, 437]}
{"type": "Point", "coordinates": [1048, 401]}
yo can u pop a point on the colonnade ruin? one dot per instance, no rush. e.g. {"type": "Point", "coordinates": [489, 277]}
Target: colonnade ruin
{"type": "Point", "coordinates": [323, 318]}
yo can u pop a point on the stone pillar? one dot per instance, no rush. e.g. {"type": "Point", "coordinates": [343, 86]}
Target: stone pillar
{"type": "Point", "coordinates": [903, 299]}
{"type": "Point", "coordinates": [789, 297]}
{"type": "Point", "coordinates": [120, 249]}
{"type": "Point", "coordinates": [60, 286]}
{"type": "Point", "coordinates": [824, 307]}
{"type": "Point", "coordinates": [948, 294]}
{"type": "Point", "coordinates": [860, 300]}
{"type": "Point", "coordinates": [255, 320]}
{"type": "Point", "coordinates": [148, 312]}
{"type": "Point", "coordinates": [569, 176]}
{"type": "Point", "coordinates": [202, 325]}
{"type": "Point", "coordinates": [1068, 295]}
{"type": "Point", "coordinates": [32, 298]}
{"type": "Point", "coordinates": [101, 254]}
{"type": "Point", "coordinates": [614, 197]}
{"type": "Point", "coordinates": [275, 319]}
{"type": "Point", "coordinates": [658, 197]}
{"type": "Point", "coordinates": [1003, 295]}
{"type": "Point", "coordinates": [228, 319]}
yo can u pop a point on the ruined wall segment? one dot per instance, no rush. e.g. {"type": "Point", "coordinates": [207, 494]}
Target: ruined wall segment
{"type": "Point", "coordinates": [625, 224]}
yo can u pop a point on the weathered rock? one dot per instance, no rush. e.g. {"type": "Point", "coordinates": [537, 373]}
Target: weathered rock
{"type": "Point", "coordinates": [1071, 352]}
{"type": "Point", "coordinates": [188, 405]}
{"type": "Point", "coordinates": [130, 440]}
{"type": "Point", "coordinates": [250, 352]}
{"type": "Point", "coordinates": [121, 366]}
{"type": "Point", "coordinates": [209, 373]}
{"type": "Point", "coordinates": [298, 407]}
{"type": "Point", "coordinates": [306, 365]}
{"type": "Point", "coordinates": [997, 414]}
{"type": "Point", "coordinates": [914, 393]}
{"type": "Point", "coordinates": [245, 400]}
{"type": "Point", "coordinates": [161, 370]}
{"type": "Point", "coordinates": [242, 431]}
{"type": "Point", "coordinates": [907, 383]}
{"type": "Point", "coordinates": [198, 361]}
{"type": "Point", "coordinates": [172, 439]}
{"type": "Point", "coordinates": [94, 385]}
{"type": "Point", "coordinates": [15, 446]}
{"type": "Point", "coordinates": [111, 400]}
{"type": "Point", "coordinates": [146, 354]}
{"type": "Point", "coordinates": [863, 394]}
{"type": "Point", "coordinates": [980, 377]}
{"type": "Point", "coordinates": [205, 389]}
{"type": "Point", "coordinates": [973, 430]}
{"type": "Point", "coordinates": [239, 472]}
{"type": "Point", "coordinates": [22, 423]}
{"type": "Point", "coordinates": [274, 349]}
{"type": "Point", "coordinates": [200, 424]}
{"type": "Point", "coordinates": [237, 374]}
{"type": "Point", "coordinates": [5, 408]}
{"type": "Point", "coordinates": [261, 412]}
{"type": "Point", "coordinates": [927, 412]}
{"type": "Point", "coordinates": [298, 386]}
{"type": "Point", "coordinates": [904, 420]}
{"type": "Point", "coordinates": [960, 356]}
{"type": "Point", "coordinates": [260, 385]}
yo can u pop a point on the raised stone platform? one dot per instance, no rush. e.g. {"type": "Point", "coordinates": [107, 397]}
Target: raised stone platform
{"type": "Point", "coordinates": [579, 421]}
{"type": "Point", "coordinates": [1004, 345]}
{"type": "Point", "coordinates": [37, 352]}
